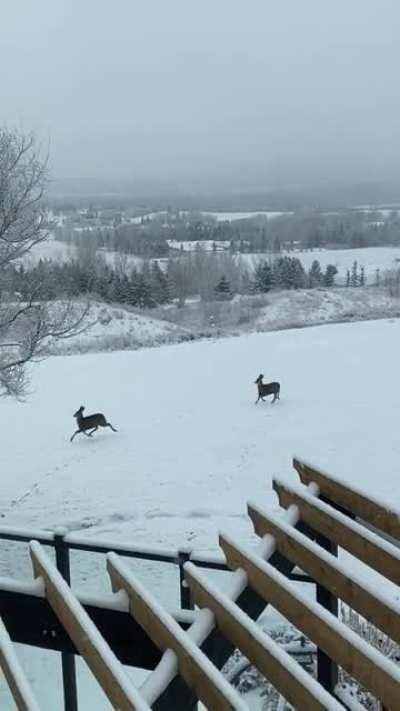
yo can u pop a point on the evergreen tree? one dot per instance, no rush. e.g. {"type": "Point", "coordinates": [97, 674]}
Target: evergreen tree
{"type": "Point", "coordinates": [161, 286]}
{"type": "Point", "coordinates": [354, 278]}
{"type": "Point", "coordinates": [348, 278]}
{"type": "Point", "coordinates": [288, 273]}
{"type": "Point", "coordinates": [377, 277]}
{"type": "Point", "coordinates": [329, 275]}
{"type": "Point", "coordinates": [362, 277]}
{"type": "Point", "coordinates": [276, 245]}
{"type": "Point", "coordinates": [263, 277]}
{"type": "Point", "coordinates": [315, 275]}
{"type": "Point", "coordinates": [132, 298]}
{"type": "Point", "coordinates": [143, 291]}
{"type": "Point", "coordinates": [264, 241]}
{"type": "Point", "coordinates": [222, 290]}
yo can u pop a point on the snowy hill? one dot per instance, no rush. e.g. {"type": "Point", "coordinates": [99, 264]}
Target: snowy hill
{"type": "Point", "coordinates": [118, 328]}
{"type": "Point", "coordinates": [191, 446]}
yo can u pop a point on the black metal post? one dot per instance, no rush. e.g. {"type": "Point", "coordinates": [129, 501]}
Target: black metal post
{"type": "Point", "coordinates": [327, 671]}
{"type": "Point", "coordinates": [67, 659]}
{"type": "Point", "coordinates": [186, 598]}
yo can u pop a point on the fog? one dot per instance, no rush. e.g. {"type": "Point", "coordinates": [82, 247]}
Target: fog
{"type": "Point", "coordinates": [198, 93]}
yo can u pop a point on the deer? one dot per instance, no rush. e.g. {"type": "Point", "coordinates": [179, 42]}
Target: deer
{"type": "Point", "coordinates": [91, 422]}
{"type": "Point", "coordinates": [267, 389]}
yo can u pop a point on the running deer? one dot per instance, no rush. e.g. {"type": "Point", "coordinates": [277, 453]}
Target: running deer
{"type": "Point", "coordinates": [267, 389]}
{"type": "Point", "coordinates": [91, 422]}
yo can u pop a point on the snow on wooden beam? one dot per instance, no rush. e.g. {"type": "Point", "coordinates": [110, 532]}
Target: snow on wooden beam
{"type": "Point", "coordinates": [359, 541]}
{"type": "Point", "coordinates": [91, 645]}
{"type": "Point", "coordinates": [204, 632]}
{"type": "Point", "coordinates": [286, 675]}
{"type": "Point", "coordinates": [376, 673]}
{"type": "Point", "coordinates": [18, 683]}
{"type": "Point", "coordinates": [326, 569]}
{"type": "Point", "coordinates": [374, 512]}
{"type": "Point", "coordinates": [194, 667]}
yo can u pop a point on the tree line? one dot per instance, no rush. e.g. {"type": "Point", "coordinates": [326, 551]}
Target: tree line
{"type": "Point", "coordinates": [212, 277]}
{"type": "Point", "coordinates": [304, 229]}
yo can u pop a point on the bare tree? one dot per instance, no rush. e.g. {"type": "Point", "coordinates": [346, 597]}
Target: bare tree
{"type": "Point", "coordinates": [25, 325]}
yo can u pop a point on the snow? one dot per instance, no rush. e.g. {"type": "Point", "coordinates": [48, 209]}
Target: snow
{"type": "Point", "coordinates": [232, 216]}
{"type": "Point", "coordinates": [10, 664]}
{"type": "Point", "coordinates": [368, 535]}
{"type": "Point", "coordinates": [190, 441]}
{"type": "Point", "coordinates": [270, 647]}
{"type": "Point", "coordinates": [288, 309]}
{"type": "Point", "coordinates": [387, 506]}
{"type": "Point", "coordinates": [218, 216]}
{"type": "Point", "coordinates": [371, 258]}
{"type": "Point", "coordinates": [117, 328]}
{"type": "Point", "coordinates": [89, 636]}
{"type": "Point", "coordinates": [173, 630]}
{"type": "Point", "coordinates": [347, 697]}
{"type": "Point", "coordinates": [325, 617]}
{"type": "Point", "coordinates": [50, 249]}
{"type": "Point", "coordinates": [115, 545]}
{"type": "Point", "coordinates": [330, 560]}
{"type": "Point", "coordinates": [206, 245]}
{"type": "Point", "coordinates": [24, 587]}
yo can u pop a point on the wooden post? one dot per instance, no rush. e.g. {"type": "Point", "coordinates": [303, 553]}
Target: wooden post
{"type": "Point", "coordinates": [185, 593]}
{"type": "Point", "coordinates": [67, 659]}
{"type": "Point", "coordinates": [327, 670]}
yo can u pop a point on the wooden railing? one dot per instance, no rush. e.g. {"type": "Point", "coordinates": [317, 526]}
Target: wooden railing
{"type": "Point", "coordinates": [322, 515]}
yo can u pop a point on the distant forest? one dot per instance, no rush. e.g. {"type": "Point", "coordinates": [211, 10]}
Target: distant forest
{"type": "Point", "coordinates": [210, 277]}
{"type": "Point", "coordinates": [300, 230]}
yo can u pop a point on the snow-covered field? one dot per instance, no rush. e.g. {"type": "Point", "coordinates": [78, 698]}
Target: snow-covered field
{"type": "Point", "coordinates": [233, 216]}
{"type": "Point", "coordinates": [191, 447]}
{"type": "Point", "coordinates": [371, 258]}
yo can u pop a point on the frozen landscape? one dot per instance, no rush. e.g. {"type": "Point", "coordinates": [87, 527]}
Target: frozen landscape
{"type": "Point", "coordinates": [191, 195]}
{"type": "Point", "coordinates": [191, 448]}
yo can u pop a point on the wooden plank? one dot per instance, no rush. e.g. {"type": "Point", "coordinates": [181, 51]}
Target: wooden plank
{"type": "Point", "coordinates": [18, 683]}
{"type": "Point", "coordinates": [195, 668]}
{"type": "Point", "coordinates": [91, 645]}
{"type": "Point", "coordinates": [295, 684]}
{"type": "Point", "coordinates": [377, 673]}
{"type": "Point", "coordinates": [358, 540]}
{"type": "Point", "coordinates": [324, 568]}
{"type": "Point", "coordinates": [379, 515]}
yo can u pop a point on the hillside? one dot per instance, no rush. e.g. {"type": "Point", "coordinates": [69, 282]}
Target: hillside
{"type": "Point", "coordinates": [191, 446]}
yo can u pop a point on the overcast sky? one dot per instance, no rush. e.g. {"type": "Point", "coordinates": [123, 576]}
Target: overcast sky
{"type": "Point", "coordinates": [204, 92]}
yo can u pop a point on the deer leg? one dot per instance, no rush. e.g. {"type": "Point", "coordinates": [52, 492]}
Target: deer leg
{"type": "Point", "coordinates": [75, 433]}
{"type": "Point", "coordinates": [110, 425]}
{"type": "Point", "coordinates": [89, 434]}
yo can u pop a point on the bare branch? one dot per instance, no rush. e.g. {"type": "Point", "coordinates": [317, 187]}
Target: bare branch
{"type": "Point", "coordinates": [26, 327]}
